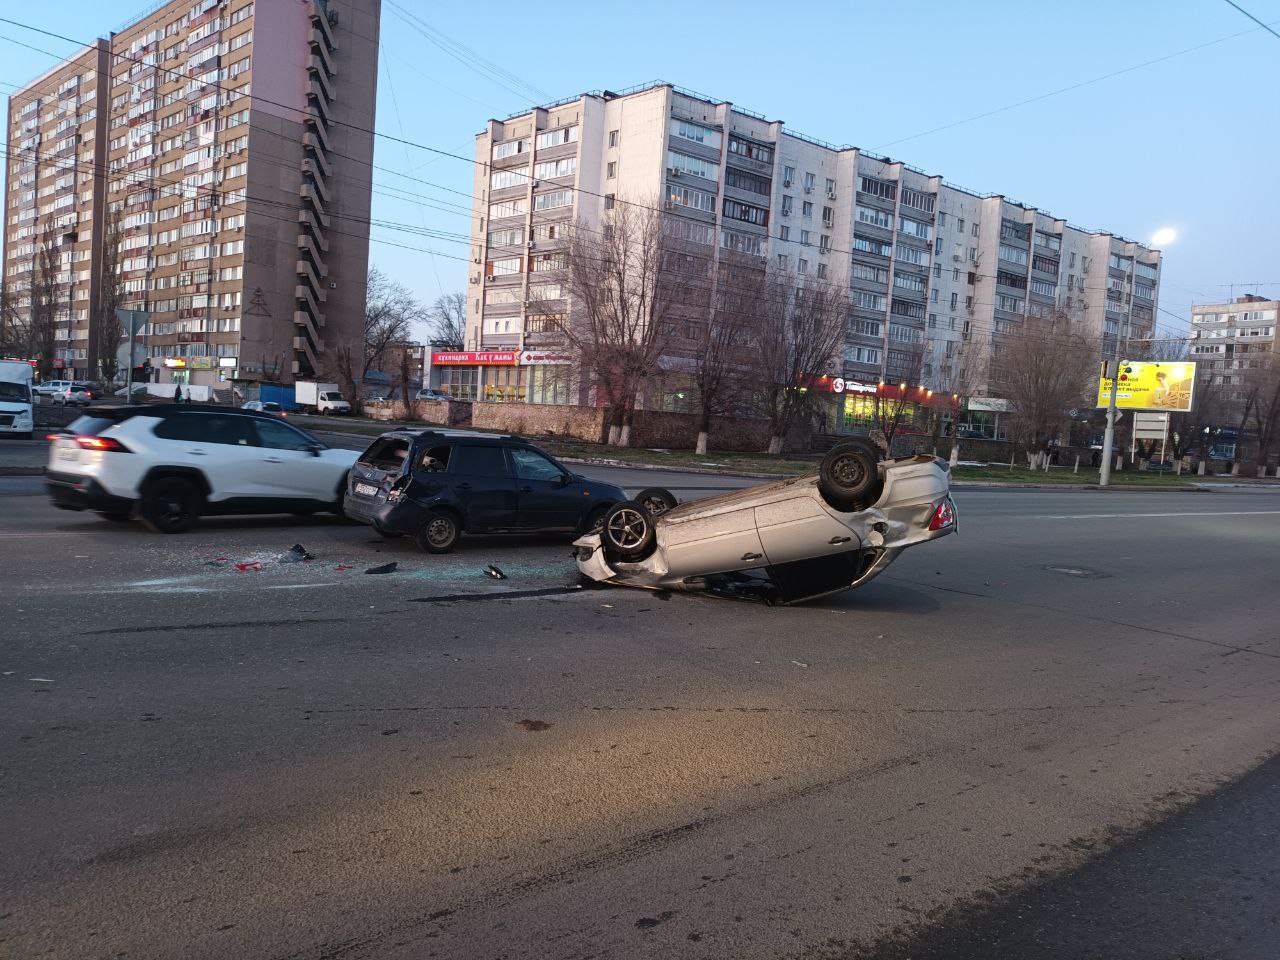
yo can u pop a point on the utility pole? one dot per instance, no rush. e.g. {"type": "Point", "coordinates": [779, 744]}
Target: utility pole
{"type": "Point", "coordinates": [1110, 368]}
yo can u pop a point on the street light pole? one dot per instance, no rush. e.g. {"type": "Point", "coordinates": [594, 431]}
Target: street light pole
{"type": "Point", "coordinates": [1109, 368]}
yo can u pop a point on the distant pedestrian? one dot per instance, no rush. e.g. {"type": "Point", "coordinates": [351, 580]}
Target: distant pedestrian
{"type": "Point", "coordinates": [1095, 459]}
{"type": "Point", "coordinates": [177, 394]}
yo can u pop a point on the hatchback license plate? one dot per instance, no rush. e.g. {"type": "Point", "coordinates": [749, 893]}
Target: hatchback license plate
{"type": "Point", "coordinates": [366, 490]}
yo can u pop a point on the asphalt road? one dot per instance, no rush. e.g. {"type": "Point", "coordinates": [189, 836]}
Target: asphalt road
{"type": "Point", "coordinates": [1047, 737]}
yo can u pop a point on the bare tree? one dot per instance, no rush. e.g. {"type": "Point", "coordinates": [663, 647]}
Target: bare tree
{"type": "Point", "coordinates": [624, 294]}
{"type": "Point", "coordinates": [389, 314]}
{"type": "Point", "coordinates": [1042, 368]}
{"type": "Point", "coordinates": [721, 356]}
{"type": "Point", "coordinates": [110, 296]}
{"type": "Point", "coordinates": [447, 318]}
{"type": "Point", "coordinates": [957, 377]}
{"type": "Point", "coordinates": [1263, 383]}
{"type": "Point", "coordinates": [799, 327]}
{"type": "Point", "coordinates": [905, 371]}
{"type": "Point", "coordinates": [46, 299]}
{"type": "Point", "coordinates": [14, 330]}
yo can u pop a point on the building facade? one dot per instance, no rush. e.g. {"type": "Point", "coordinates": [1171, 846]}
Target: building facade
{"type": "Point", "coordinates": [1230, 339]}
{"type": "Point", "coordinates": [228, 144]}
{"type": "Point", "coordinates": [935, 273]}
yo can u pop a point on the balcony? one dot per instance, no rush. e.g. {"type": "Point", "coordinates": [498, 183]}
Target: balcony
{"type": "Point", "coordinates": [320, 21]}
{"type": "Point", "coordinates": [307, 246]}
{"type": "Point", "coordinates": [317, 181]}
{"type": "Point", "coordinates": [315, 125]}
{"type": "Point", "coordinates": [309, 193]}
{"type": "Point", "coordinates": [311, 296]}
{"type": "Point", "coordinates": [321, 62]}
{"type": "Point", "coordinates": [316, 219]}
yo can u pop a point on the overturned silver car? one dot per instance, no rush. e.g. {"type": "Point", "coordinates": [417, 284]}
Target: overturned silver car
{"type": "Point", "coordinates": [779, 542]}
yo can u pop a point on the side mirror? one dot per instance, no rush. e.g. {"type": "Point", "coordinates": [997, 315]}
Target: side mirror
{"type": "Point", "coordinates": [564, 480]}
{"type": "Point", "coordinates": [314, 449]}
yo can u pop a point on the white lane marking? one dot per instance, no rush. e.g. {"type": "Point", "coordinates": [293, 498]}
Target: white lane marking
{"type": "Point", "coordinates": [302, 586]}
{"type": "Point", "coordinates": [1122, 516]}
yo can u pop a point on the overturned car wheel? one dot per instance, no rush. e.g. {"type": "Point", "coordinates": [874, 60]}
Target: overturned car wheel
{"type": "Point", "coordinates": [848, 478]}
{"type": "Point", "coordinates": [656, 500]}
{"type": "Point", "coordinates": [628, 532]}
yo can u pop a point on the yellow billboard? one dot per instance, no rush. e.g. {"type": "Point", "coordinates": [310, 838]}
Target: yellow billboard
{"type": "Point", "coordinates": [1168, 385]}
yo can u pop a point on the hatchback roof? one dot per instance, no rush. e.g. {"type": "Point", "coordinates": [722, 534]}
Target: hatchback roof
{"type": "Point", "coordinates": [433, 434]}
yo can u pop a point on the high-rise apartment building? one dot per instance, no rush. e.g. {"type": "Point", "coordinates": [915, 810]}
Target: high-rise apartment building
{"type": "Point", "coordinates": [229, 145]}
{"type": "Point", "coordinates": [1230, 339]}
{"type": "Point", "coordinates": [931, 269]}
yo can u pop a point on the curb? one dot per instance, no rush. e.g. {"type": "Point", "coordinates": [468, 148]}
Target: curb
{"type": "Point", "coordinates": [1076, 487]}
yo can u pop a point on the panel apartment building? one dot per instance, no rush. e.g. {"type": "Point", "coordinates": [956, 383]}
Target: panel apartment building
{"type": "Point", "coordinates": [229, 139]}
{"type": "Point", "coordinates": [929, 267]}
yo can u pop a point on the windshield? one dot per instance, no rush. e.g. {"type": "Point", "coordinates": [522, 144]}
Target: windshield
{"type": "Point", "coordinates": [14, 392]}
{"type": "Point", "coordinates": [331, 396]}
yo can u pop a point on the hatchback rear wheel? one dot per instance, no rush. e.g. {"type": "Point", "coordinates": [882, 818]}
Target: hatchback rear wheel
{"type": "Point", "coordinates": [439, 532]}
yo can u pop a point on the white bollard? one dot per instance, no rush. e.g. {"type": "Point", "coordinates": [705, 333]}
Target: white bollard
{"type": "Point", "coordinates": [1076, 468]}
{"type": "Point", "coordinates": [1200, 468]}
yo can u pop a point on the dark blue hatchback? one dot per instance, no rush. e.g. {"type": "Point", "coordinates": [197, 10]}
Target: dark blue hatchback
{"type": "Point", "coordinates": [435, 485]}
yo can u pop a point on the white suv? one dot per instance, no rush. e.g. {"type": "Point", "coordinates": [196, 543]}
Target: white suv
{"type": "Point", "coordinates": [169, 465]}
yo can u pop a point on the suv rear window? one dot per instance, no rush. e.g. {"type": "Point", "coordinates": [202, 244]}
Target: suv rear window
{"type": "Point", "coordinates": [89, 426]}
{"type": "Point", "coordinates": [386, 453]}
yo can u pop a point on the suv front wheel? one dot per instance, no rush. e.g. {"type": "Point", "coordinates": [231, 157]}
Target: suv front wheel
{"type": "Point", "coordinates": [170, 505]}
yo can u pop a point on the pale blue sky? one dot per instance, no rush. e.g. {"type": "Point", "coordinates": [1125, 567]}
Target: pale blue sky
{"type": "Point", "coordinates": [1189, 142]}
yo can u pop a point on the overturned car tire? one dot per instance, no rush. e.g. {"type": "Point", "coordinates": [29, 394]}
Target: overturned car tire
{"type": "Point", "coordinates": [848, 478]}
{"type": "Point", "coordinates": [627, 532]}
{"type": "Point", "coordinates": [657, 500]}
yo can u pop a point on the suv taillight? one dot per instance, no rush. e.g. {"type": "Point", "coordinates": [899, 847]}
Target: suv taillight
{"type": "Point", "coordinates": [944, 515]}
{"type": "Point", "coordinates": [106, 444]}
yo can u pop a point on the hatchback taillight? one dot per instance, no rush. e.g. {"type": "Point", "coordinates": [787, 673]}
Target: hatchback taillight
{"type": "Point", "coordinates": [106, 444]}
{"type": "Point", "coordinates": [944, 515]}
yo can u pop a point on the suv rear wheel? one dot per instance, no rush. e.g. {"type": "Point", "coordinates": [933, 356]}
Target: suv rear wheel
{"type": "Point", "coordinates": [439, 532]}
{"type": "Point", "coordinates": [170, 505]}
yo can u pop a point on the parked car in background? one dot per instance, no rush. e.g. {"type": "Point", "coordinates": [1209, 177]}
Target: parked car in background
{"type": "Point", "coordinates": [73, 395]}
{"type": "Point", "coordinates": [264, 406]}
{"type": "Point", "coordinates": [431, 395]}
{"type": "Point", "coordinates": [435, 485]}
{"type": "Point", "coordinates": [170, 464]}
{"type": "Point", "coordinates": [47, 388]}
{"type": "Point", "coordinates": [17, 418]}
{"type": "Point", "coordinates": [780, 542]}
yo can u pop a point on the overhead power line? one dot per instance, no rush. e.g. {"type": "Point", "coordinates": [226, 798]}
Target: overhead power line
{"type": "Point", "coordinates": [1264, 26]}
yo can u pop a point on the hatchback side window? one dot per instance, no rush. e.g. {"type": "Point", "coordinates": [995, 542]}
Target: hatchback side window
{"type": "Point", "coordinates": [280, 436]}
{"type": "Point", "coordinates": [480, 461]}
{"type": "Point", "coordinates": [531, 465]}
{"type": "Point", "coordinates": [435, 459]}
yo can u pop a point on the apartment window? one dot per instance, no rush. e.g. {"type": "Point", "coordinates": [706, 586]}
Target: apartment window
{"type": "Point", "coordinates": [864, 271]}
{"type": "Point", "coordinates": [501, 179]}
{"type": "Point", "coordinates": [822, 271]}
{"type": "Point", "coordinates": [804, 238]}
{"type": "Point", "coordinates": [1072, 260]}
{"type": "Point", "coordinates": [866, 328]}
{"type": "Point", "coordinates": [745, 212]}
{"type": "Point", "coordinates": [1044, 264]}
{"type": "Point", "coordinates": [1044, 288]}
{"type": "Point", "coordinates": [955, 299]}
{"type": "Point", "coordinates": [974, 229]}
{"type": "Point", "coordinates": [933, 295]}
{"type": "Point", "coordinates": [1117, 262]}
{"type": "Point", "coordinates": [613, 138]}
{"type": "Point", "coordinates": [504, 268]}
{"type": "Point", "coordinates": [803, 266]}
{"type": "Point", "coordinates": [973, 254]}
{"type": "Point", "coordinates": [787, 203]}
{"type": "Point", "coordinates": [828, 217]}
{"type": "Point", "coordinates": [914, 255]}
{"type": "Point", "coordinates": [688, 197]}
{"type": "Point", "coordinates": [937, 271]}
{"type": "Point", "coordinates": [917, 200]}
{"type": "Point", "coordinates": [750, 150]}
{"type": "Point", "coordinates": [879, 188]}
{"type": "Point", "coordinates": [907, 281]}
{"type": "Point", "coordinates": [904, 334]}
{"type": "Point", "coordinates": [507, 208]}
{"type": "Point", "coordinates": [783, 261]}
{"type": "Point", "coordinates": [831, 187]}
{"type": "Point", "coordinates": [1010, 304]}
{"type": "Point", "coordinates": [506, 237]}
{"type": "Point", "coordinates": [550, 169]}
{"type": "Point", "coordinates": [694, 132]}
{"type": "Point", "coordinates": [806, 208]}
{"type": "Point", "coordinates": [904, 308]}
{"type": "Point", "coordinates": [510, 148]}
{"type": "Point", "coordinates": [747, 181]}
{"type": "Point", "coordinates": [808, 182]}
{"type": "Point", "coordinates": [933, 321]}
{"type": "Point", "coordinates": [742, 242]}
{"type": "Point", "coordinates": [549, 201]}
{"type": "Point", "coordinates": [855, 354]}
{"type": "Point", "coordinates": [784, 232]}
{"type": "Point", "coordinates": [611, 169]}
{"type": "Point", "coordinates": [960, 225]}
{"type": "Point", "coordinates": [867, 245]}
{"type": "Point", "coordinates": [868, 301]}
{"type": "Point", "coordinates": [680, 163]}
{"type": "Point", "coordinates": [824, 243]}
{"type": "Point", "coordinates": [1049, 240]}
{"type": "Point", "coordinates": [1008, 279]}
{"type": "Point", "coordinates": [1013, 254]}
{"type": "Point", "coordinates": [1146, 271]}
{"type": "Point", "coordinates": [554, 138]}
{"type": "Point", "coordinates": [942, 218]}
{"type": "Point", "coordinates": [609, 201]}
{"type": "Point", "coordinates": [548, 261]}
{"type": "Point", "coordinates": [877, 218]}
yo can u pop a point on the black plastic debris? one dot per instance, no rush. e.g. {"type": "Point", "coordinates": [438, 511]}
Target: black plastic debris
{"type": "Point", "coordinates": [385, 568]}
{"type": "Point", "coordinates": [492, 571]}
{"type": "Point", "coordinates": [296, 554]}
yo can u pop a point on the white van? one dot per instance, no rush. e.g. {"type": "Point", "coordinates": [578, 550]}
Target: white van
{"type": "Point", "coordinates": [16, 415]}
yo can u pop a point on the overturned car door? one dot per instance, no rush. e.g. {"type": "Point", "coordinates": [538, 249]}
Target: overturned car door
{"type": "Point", "coordinates": [810, 549]}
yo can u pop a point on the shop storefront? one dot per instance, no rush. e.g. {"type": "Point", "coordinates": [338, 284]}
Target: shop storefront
{"type": "Point", "coordinates": [546, 375]}
{"type": "Point", "coordinates": [868, 406]}
{"type": "Point", "coordinates": [477, 375]}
